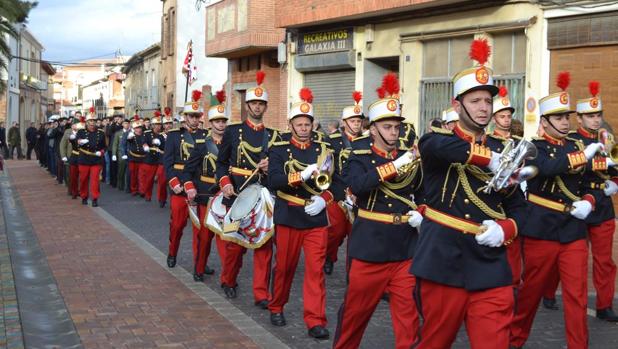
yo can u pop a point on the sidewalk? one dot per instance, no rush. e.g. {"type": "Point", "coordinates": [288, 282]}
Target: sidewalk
{"type": "Point", "coordinates": [117, 296]}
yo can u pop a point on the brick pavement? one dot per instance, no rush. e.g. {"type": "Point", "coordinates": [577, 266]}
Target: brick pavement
{"type": "Point", "coordinates": [117, 296]}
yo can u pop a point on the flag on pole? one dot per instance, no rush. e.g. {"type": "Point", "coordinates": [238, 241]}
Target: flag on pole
{"type": "Point", "coordinates": [186, 67]}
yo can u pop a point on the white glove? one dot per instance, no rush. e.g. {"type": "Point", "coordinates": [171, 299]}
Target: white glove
{"type": "Point", "coordinates": [405, 159]}
{"type": "Point", "coordinates": [191, 194]}
{"type": "Point", "coordinates": [349, 201]}
{"type": "Point", "coordinates": [494, 163]}
{"type": "Point", "coordinates": [156, 141]}
{"type": "Point", "coordinates": [308, 171]}
{"type": "Point", "coordinates": [592, 149]}
{"type": "Point", "coordinates": [177, 189]}
{"type": "Point", "coordinates": [124, 157]}
{"type": "Point", "coordinates": [316, 206]}
{"type": "Point", "coordinates": [610, 162]}
{"type": "Point", "coordinates": [146, 147]}
{"type": "Point", "coordinates": [415, 219]}
{"type": "Point", "coordinates": [131, 135]}
{"type": "Point", "coordinates": [72, 136]}
{"type": "Point", "coordinates": [114, 158]}
{"type": "Point", "coordinates": [611, 188]}
{"type": "Point", "coordinates": [493, 236]}
{"type": "Point", "coordinates": [64, 159]}
{"type": "Point", "coordinates": [97, 153]}
{"type": "Point", "coordinates": [83, 141]}
{"type": "Point", "coordinates": [581, 209]}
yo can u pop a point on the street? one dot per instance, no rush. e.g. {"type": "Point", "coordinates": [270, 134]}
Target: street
{"type": "Point", "coordinates": [108, 266]}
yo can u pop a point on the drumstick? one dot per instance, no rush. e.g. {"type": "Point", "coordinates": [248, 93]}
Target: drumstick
{"type": "Point", "coordinates": [248, 179]}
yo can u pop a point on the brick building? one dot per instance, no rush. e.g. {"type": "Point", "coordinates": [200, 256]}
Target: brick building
{"type": "Point", "coordinates": [244, 32]}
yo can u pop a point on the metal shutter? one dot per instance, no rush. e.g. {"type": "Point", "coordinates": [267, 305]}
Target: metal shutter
{"type": "Point", "coordinates": [332, 91]}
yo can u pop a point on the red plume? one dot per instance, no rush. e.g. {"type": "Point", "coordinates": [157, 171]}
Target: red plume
{"type": "Point", "coordinates": [220, 96]}
{"type": "Point", "coordinates": [306, 94]}
{"type": "Point", "coordinates": [91, 110]}
{"type": "Point", "coordinates": [480, 50]}
{"type": "Point", "coordinates": [594, 86]}
{"type": "Point", "coordinates": [259, 77]}
{"type": "Point", "coordinates": [135, 117]}
{"type": "Point", "coordinates": [82, 119]}
{"type": "Point", "coordinates": [564, 79]}
{"type": "Point", "coordinates": [157, 113]}
{"type": "Point", "coordinates": [381, 92]}
{"type": "Point", "coordinates": [167, 111]}
{"type": "Point", "coordinates": [357, 95]}
{"type": "Point", "coordinates": [196, 95]}
{"type": "Point", "coordinates": [391, 84]}
{"type": "Point", "coordinates": [502, 92]}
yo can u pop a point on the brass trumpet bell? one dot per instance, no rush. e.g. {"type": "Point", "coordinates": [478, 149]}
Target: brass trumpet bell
{"type": "Point", "coordinates": [326, 167]}
{"type": "Point", "coordinates": [323, 180]}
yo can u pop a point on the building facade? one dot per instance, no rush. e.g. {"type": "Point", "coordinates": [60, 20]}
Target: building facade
{"type": "Point", "coordinates": [105, 94]}
{"type": "Point", "coordinates": [141, 85]}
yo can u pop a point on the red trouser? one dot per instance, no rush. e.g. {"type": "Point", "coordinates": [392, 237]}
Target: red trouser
{"type": "Point", "coordinates": [74, 179]}
{"type": "Point", "coordinates": [134, 170]}
{"type": "Point", "coordinates": [179, 213]}
{"type": "Point", "coordinates": [202, 240]}
{"type": "Point", "coordinates": [513, 255]}
{"type": "Point", "coordinates": [543, 259]}
{"type": "Point", "coordinates": [289, 242]}
{"type": "Point", "coordinates": [262, 260]}
{"type": "Point", "coordinates": [337, 231]}
{"type": "Point", "coordinates": [367, 283]}
{"type": "Point", "coordinates": [147, 174]}
{"type": "Point", "coordinates": [487, 315]}
{"type": "Point", "coordinates": [161, 184]}
{"type": "Point", "coordinates": [89, 172]}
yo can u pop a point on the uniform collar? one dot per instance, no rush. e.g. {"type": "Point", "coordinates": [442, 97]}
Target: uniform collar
{"type": "Point", "coordinates": [383, 153]}
{"type": "Point", "coordinates": [465, 135]}
{"type": "Point", "coordinates": [299, 145]}
{"type": "Point", "coordinates": [582, 131]}
{"type": "Point", "coordinates": [349, 136]}
{"type": "Point", "coordinates": [500, 133]}
{"type": "Point", "coordinates": [552, 140]}
{"type": "Point", "coordinates": [254, 127]}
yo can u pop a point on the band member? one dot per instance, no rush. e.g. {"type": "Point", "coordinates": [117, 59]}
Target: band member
{"type": "Point", "coordinates": [91, 144]}
{"type": "Point", "coordinates": [460, 260]}
{"type": "Point", "coordinates": [450, 118]}
{"type": "Point", "coordinates": [137, 150]}
{"type": "Point", "coordinates": [300, 218]}
{"type": "Point", "coordinates": [69, 152]}
{"type": "Point", "coordinates": [156, 142]}
{"type": "Point", "coordinates": [555, 240]}
{"type": "Point", "coordinates": [383, 179]}
{"type": "Point", "coordinates": [168, 123]}
{"type": "Point", "coordinates": [200, 185]}
{"type": "Point", "coordinates": [338, 210]}
{"type": "Point", "coordinates": [243, 152]}
{"type": "Point", "coordinates": [178, 146]}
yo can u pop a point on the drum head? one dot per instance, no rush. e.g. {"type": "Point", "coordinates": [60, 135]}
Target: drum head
{"type": "Point", "coordinates": [245, 202]}
{"type": "Point", "coordinates": [217, 206]}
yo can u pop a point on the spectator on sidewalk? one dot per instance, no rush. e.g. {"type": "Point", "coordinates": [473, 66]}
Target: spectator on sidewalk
{"type": "Point", "coordinates": [40, 145]}
{"type": "Point", "coordinates": [3, 146]}
{"type": "Point", "coordinates": [15, 141]}
{"type": "Point", "coordinates": [119, 154]}
{"type": "Point", "coordinates": [30, 140]}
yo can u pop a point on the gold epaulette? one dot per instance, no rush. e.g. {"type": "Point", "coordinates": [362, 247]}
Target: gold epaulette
{"type": "Point", "coordinates": [537, 138]}
{"type": "Point", "coordinates": [174, 130]}
{"type": "Point", "coordinates": [517, 138]}
{"type": "Point", "coordinates": [441, 131]}
{"type": "Point", "coordinates": [148, 131]}
{"type": "Point", "coordinates": [494, 136]}
{"type": "Point", "coordinates": [275, 144]}
{"type": "Point", "coordinates": [359, 138]}
{"type": "Point", "coordinates": [362, 152]}
{"type": "Point", "coordinates": [335, 135]}
{"type": "Point", "coordinates": [572, 132]}
{"type": "Point", "coordinates": [579, 143]}
{"type": "Point", "coordinates": [235, 123]}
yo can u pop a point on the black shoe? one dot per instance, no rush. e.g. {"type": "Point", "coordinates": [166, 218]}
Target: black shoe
{"type": "Point", "coordinates": [171, 261]}
{"type": "Point", "coordinates": [263, 304]}
{"type": "Point", "coordinates": [607, 314]}
{"type": "Point", "coordinates": [386, 297]}
{"type": "Point", "coordinates": [328, 267]}
{"type": "Point", "coordinates": [84, 201]}
{"type": "Point", "coordinates": [95, 203]}
{"type": "Point", "coordinates": [230, 292]}
{"type": "Point", "coordinates": [550, 303]}
{"type": "Point", "coordinates": [208, 270]}
{"type": "Point", "coordinates": [142, 195]}
{"type": "Point", "coordinates": [277, 319]}
{"type": "Point", "coordinates": [162, 204]}
{"type": "Point", "coordinates": [148, 200]}
{"type": "Point", "coordinates": [198, 277]}
{"type": "Point", "coordinates": [318, 332]}
{"type": "Point", "coordinates": [133, 194]}
{"type": "Point", "coordinates": [512, 347]}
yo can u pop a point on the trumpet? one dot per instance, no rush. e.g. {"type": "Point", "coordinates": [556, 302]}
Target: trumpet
{"type": "Point", "coordinates": [407, 168]}
{"type": "Point", "coordinates": [326, 167]}
{"type": "Point", "coordinates": [609, 143]}
{"type": "Point", "coordinates": [511, 170]}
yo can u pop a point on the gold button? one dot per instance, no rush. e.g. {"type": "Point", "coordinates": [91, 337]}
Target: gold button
{"type": "Point", "coordinates": [373, 161]}
{"type": "Point", "coordinates": [390, 205]}
{"type": "Point", "coordinates": [468, 152]}
{"type": "Point", "coordinates": [467, 216]}
{"type": "Point", "coordinates": [386, 196]}
{"type": "Point", "coordinates": [317, 149]}
{"type": "Point", "coordinates": [466, 201]}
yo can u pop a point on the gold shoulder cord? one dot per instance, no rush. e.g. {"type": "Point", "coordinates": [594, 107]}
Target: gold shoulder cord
{"type": "Point", "coordinates": [185, 150]}
{"type": "Point", "coordinates": [400, 182]}
{"type": "Point", "coordinates": [209, 160]}
{"type": "Point", "coordinates": [294, 165]}
{"type": "Point", "coordinates": [565, 190]}
{"type": "Point", "coordinates": [462, 179]}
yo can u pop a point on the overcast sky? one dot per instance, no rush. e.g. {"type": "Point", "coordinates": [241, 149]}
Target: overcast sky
{"type": "Point", "coordinates": [79, 29]}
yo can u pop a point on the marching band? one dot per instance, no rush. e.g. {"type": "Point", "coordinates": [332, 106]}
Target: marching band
{"type": "Point", "coordinates": [462, 226]}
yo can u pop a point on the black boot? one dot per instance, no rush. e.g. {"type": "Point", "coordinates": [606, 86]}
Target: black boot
{"type": "Point", "coordinates": [171, 261]}
{"type": "Point", "coordinates": [550, 303]}
{"type": "Point", "coordinates": [262, 304]}
{"type": "Point", "coordinates": [318, 332]}
{"type": "Point", "coordinates": [328, 267]}
{"type": "Point", "coordinates": [84, 201]}
{"type": "Point", "coordinates": [208, 270]}
{"type": "Point", "coordinates": [198, 277]}
{"type": "Point", "coordinates": [277, 319]}
{"type": "Point", "coordinates": [230, 292]}
{"type": "Point", "coordinates": [607, 314]}
{"type": "Point", "coordinates": [162, 204]}
{"type": "Point", "coordinates": [95, 203]}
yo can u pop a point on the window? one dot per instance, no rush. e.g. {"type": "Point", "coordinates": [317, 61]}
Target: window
{"type": "Point", "coordinates": [171, 33]}
{"type": "Point", "coordinates": [164, 42]}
